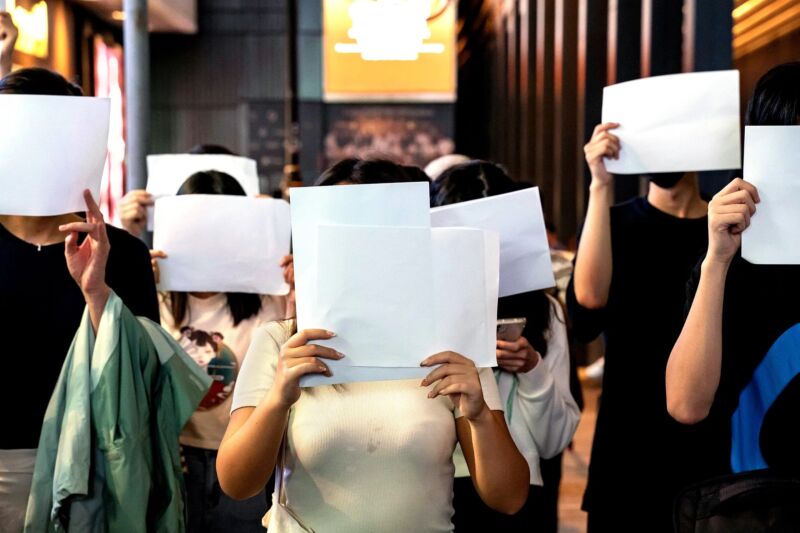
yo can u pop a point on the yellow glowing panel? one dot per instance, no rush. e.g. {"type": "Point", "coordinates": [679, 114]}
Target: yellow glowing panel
{"type": "Point", "coordinates": [33, 27]}
{"type": "Point", "coordinates": [391, 50]}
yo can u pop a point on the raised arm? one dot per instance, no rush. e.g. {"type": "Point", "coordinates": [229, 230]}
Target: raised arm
{"type": "Point", "coordinates": [592, 278]}
{"type": "Point", "coordinates": [249, 450]}
{"type": "Point", "coordinates": [694, 366]}
{"type": "Point", "coordinates": [499, 472]}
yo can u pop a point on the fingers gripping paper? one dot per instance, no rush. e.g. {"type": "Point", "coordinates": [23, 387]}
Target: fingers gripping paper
{"type": "Point", "coordinates": [51, 149]}
{"type": "Point", "coordinates": [222, 243]}
{"type": "Point", "coordinates": [772, 164]}
{"type": "Point", "coordinates": [517, 217]}
{"type": "Point", "coordinates": [678, 122]}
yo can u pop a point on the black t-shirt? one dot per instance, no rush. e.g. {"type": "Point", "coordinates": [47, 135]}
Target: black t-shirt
{"type": "Point", "coordinates": [41, 309]}
{"type": "Point", "coordinates": [636, 443]}
{"type": "Point", "coordinates": [761, 304]}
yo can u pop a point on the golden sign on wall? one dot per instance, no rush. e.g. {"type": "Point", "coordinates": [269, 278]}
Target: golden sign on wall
{"type": "Point", "coordinates": [390, 50]}
{"type": "Point", "coordinates": [32, 23]}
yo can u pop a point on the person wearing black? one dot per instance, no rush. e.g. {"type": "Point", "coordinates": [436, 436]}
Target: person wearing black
{"type": "Point", "coordinates": [742, 318]}
{"type": "Point", "coordinates": [546, 360]}
{"type": "Point", "coordinates": [631, 269]}
{"type": "Point", "coordinates": [41, 305]}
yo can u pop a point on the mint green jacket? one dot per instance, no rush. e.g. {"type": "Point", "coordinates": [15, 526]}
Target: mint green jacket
{"type": "Point", "coordinates": [108, 457]}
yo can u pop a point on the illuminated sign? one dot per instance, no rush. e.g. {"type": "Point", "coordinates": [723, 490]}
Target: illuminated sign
{"type": "Point", "coordinates": [33, 27]}
{"type": "Point", "coordinates": [391, 50]}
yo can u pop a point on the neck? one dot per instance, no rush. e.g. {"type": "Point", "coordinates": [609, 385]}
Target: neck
{"type": "Point", "coordinates": [37, 230]}
{"type": "Point", "coordinates": [681, 201]}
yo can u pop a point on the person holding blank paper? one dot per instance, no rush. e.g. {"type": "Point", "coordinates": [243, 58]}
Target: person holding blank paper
{"type": "Point", "coordinates": [369, 456]}
{"type": "Point", "coordinates": [533, 377]}
{"type": "Point", "coordinates": [736, 362]}
{"type": "Point", "coordinates": [631, 268]}
{"type": "Point", "coordinates": [215, 329]}
{"type": "Point", "coordinates": [43, 306]}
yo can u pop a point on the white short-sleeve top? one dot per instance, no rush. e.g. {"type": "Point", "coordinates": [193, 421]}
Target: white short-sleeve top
{"type": "Point", "coordinates": [362, 457]}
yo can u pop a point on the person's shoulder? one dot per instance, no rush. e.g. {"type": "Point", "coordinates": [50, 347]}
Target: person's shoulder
{"type": "Point", "coordinates": [633, 209]}
{"type": "Point", "coordinates": [122, 241]}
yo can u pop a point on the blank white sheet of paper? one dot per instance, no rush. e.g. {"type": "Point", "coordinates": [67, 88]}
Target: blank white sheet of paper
{"type": "Point", "coordinates": [465, 275]}
{"type": "Point", "coordinates": [222, 243]}
{"type": "Point", "coordinates": [375, 291]}
{"type": "Point", "coordinates": [517, 217]}
{"type": "Point", "coordinates": [51, 149]}
{"type": "Point", "coordinates": [393, 204]}
{"type": "Point", "coordinates": [674, 123]}
{"type": "Point", "coordinates": [772, 164]}
{"type": "Point", "coordinates": [167, 172]}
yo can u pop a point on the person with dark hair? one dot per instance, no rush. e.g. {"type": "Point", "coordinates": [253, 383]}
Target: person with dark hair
{"type": "Point", "coordinates": [533, 377]}
{"type": "Point", "coordinates": [8, 39]}
{"type": "Point", "coordinates": [371, 456]}
{"type": "Point", "coordinates": [215, 329]}
{"type": "Point", "coordinates": [742, 318]}
{"type": "Point", "coordinates": [134, 205]}
{"type": "Point", "coordinates": [42, 305]}
{"type": "Point", "coordinates": [354, 171]}
{"type": "Point", "coordinates": [631, 268]}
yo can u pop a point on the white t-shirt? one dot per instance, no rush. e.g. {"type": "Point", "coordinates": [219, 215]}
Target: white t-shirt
{"type": "Point", "coordinates": [363, 457]}
{"type": "Point", "coordinates": [210, 338]}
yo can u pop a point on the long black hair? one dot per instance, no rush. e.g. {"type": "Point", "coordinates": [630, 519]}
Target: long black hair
{"type": "Point", "coordinates": [481, 179]}
{"type": "Point", "coordinates": [241, 306]}
{"type": "Point", "coordinates": [776, 98]}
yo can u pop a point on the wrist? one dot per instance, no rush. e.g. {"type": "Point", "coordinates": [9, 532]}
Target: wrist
{"type": "Point", "coordinates": [97, 294]}
{"type": "Point", "coordinates": [275, 401]}
{"type": "Point", "coordinates": [600, 188]}
{"type": "Point", "coordinates": [714, 264]}
{"type": "Point", "coordinates": [483, 416]}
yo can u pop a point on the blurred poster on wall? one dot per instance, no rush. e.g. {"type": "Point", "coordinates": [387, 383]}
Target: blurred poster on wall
{"type": "Point", "coordinates": [389, 50]}
{"type": "Point", "coordinates": [411, 134]}
{"type": "Point", "coordinates": [265, 138]}
{"type": "Point", "coordinates": [109, 82]}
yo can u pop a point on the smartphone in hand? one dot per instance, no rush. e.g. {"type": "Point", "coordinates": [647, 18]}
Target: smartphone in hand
{"type": "Point", "coordinates": [510, 329]}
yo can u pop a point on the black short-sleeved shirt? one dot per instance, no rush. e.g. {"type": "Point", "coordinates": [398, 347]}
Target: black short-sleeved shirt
{"type": "Point", "coordinates": [637, 444]}
{"type": "Point", "coordinates": [762, 302]}
{"type": "Point", "coordinates": [41, 307]}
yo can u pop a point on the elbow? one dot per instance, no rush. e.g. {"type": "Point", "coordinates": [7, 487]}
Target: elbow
{"type": "Point", "coordinates": [234, 490]}
{"type": "Point", "coordinates": [590, 299]}
{"type": "Point", "coordinates": [686, 412]}
{"type": "Point", "coordinates": [513, 503]}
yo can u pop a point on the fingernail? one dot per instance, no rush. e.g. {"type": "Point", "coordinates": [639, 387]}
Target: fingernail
{"type": "Point", "coordinates": [423, 383]}
{"type": "Point", "coordinates": [431, 395]}
{"type": "Point", "coordinates": [331, 334]}
{"type": "Point", "coordinates": [340, 354]}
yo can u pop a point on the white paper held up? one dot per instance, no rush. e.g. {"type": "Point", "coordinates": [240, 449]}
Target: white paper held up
{"type": "Point", "coordinates": [772, 164]}
{"type": "Point", "coordinates": [222, 243]}
{"type": "Point", "coordinates": [675, 123]}
{"type": "Point", "coordinates": [517, 217]}
{"type": "Point", "coordinates": [51, 149]}
{"type": "Point", "coordinates": [167, 172]}
{"type": "Point", "coordinates": [393, 204]}
{"type": "Point", "coordinates": [465, 264]}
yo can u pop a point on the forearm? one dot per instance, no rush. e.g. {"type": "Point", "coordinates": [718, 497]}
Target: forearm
{"type": "Point", "coordinates": [499, 472]}
{"type": "Point", "coordinates": [693, 369]}
{"type": "Point", "coordinates": [96, 303]}
{"type": "Point", "coordinates": [249, 453]}
{"type": "Point", "coordinates": [593, 266]}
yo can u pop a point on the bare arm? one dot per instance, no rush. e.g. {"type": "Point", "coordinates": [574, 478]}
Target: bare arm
{"type": "Point", "coordinates": [249, 450]}
{"type": "Point", "coordinates": [499, 472]}
{"type": "Point", "coordinates": [694, 366]}
{"type": "Point", "coordinates": [593, 266]}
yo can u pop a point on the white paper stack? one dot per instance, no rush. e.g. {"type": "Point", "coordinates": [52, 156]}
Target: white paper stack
{"type": "Point", "coordinates": [772, 164]}
{"type": "Point", "coordinates": [52, 148]}
{"type": "Point", "coordinates": [674, 123]}
{"type": "Point", "coordinates": [218, 243]}
{"type": "Point", "coordinates": [369, 267]}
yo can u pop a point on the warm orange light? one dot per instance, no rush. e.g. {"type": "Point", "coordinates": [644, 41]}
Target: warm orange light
{"type": "Point", "coordinates": [392, 50]}
{"type": "Point", "coordinates": [118, 15]}
{"type": "Point", "coordinates": [33, 28]}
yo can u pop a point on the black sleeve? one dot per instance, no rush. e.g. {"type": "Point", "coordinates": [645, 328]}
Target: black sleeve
{"type": "Point", "coordinates": [130, 275]}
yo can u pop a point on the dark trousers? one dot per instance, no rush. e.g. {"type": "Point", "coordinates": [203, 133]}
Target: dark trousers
{"type": "Point", "coordinates": [209, 509]}
{"type": "Point", "coordinates": [539, 514]}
